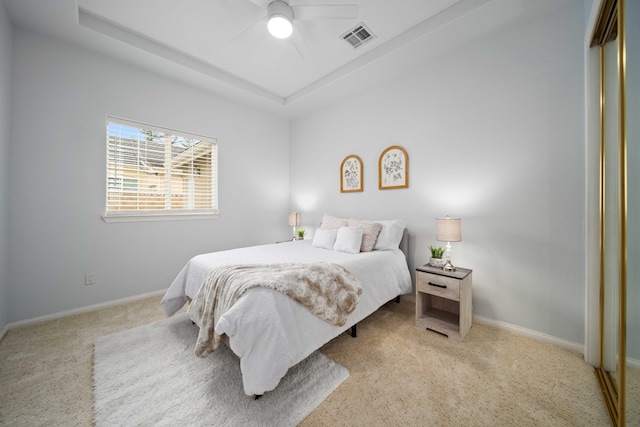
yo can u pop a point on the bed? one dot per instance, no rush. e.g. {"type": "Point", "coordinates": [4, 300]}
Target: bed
{"type": "Point", "coordinates": [269, 331]}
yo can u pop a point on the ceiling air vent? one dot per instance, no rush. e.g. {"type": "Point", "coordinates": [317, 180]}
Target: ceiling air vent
{"type": "Point", "coordinates": [358, 36]}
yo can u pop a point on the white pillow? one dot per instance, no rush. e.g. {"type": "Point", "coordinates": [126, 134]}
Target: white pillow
{"type": "Point", "coordinates": [330, 222]}
{"type": "Point", "coordinates": [390, 235]}
{"type": "Point", "coordinates": [324, 238]}
{"type": "Point", "coordinates": [349, 239]}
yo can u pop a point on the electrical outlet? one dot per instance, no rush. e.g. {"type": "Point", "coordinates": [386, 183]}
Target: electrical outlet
{"type": "Point", "coordinates": [90, 279]}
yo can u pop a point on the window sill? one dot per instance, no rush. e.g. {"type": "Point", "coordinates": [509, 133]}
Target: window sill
{"type": "Point", "coordinates": [158, 217]}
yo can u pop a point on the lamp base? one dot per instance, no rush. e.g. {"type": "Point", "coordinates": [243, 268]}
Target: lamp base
{"type": "Point", "coordinates": [447, 255]}
{"type": "Point", "coordinates": [448, 266]}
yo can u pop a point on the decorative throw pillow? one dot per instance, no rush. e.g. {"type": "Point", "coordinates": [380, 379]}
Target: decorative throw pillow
{"type": "Point", "coordinates": [370, 231]}
{"type": "Point", "coordinates": [348, 239]}
{"type": "Point", "coordinates": [390, 235]}
{"type": "Point", "coordinates": [324, 239]}
{"type": "Point", "coordinates": [330, 222]}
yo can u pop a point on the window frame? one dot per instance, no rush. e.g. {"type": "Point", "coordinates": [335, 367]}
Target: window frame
{"type": "Point", "coordinates": [158, 214]}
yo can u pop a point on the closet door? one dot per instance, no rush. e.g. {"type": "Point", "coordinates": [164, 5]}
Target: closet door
{"type": "Point", "coordinates": [632, 386]}
{"type": "Point", "coordinates": [618, 37]}
{"type": "Point", "coordinates": [611, 217]}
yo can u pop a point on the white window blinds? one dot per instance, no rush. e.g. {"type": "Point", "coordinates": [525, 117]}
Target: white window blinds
{"type": "Point", "coordinates": [156, 171]}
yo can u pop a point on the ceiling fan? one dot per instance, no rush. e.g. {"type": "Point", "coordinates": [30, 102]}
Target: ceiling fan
{"type": "Point", "coordinates": [281, 14]}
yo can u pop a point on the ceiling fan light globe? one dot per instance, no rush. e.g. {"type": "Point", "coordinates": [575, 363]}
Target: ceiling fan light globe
{"type": "Point", "coordinates": [280, 26]}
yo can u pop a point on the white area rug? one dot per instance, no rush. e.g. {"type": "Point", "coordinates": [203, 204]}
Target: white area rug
{"type": "Point", "coordinates": [150, 376]}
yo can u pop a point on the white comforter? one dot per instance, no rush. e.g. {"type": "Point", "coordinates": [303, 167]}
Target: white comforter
{"type": "Point", "coordinates": [269, 331]}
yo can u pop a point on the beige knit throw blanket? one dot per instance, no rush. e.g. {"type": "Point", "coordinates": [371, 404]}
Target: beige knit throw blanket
{"type": "Point", "coordinates": [328, 290]}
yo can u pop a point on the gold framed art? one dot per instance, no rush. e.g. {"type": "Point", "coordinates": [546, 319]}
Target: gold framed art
{"type": "Point", "coordinates": [393, 168]}
{"type": "Point", "coordinates": [351, 174]}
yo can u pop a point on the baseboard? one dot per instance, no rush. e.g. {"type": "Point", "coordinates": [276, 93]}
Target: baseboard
{"type": "Point", "coordinates": [633, 363]}
{"type": "Point", "coordinates": [85, 309]}
{"type": "Point", "coordinates": [530, 333]}
{"type": "Point", "coordinates": [4, 332]}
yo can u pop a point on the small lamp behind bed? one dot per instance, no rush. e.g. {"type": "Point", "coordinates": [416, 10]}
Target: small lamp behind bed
{"type": "Point", "coordinates": [294, 220]}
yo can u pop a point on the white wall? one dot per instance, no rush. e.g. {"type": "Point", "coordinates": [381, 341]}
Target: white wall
{"type": "Point", "coordinates": [495, 135]}
{"type": "Point", "coordinates": [61, 96]}
{"type": "Point", "coordinates": [5, 95]}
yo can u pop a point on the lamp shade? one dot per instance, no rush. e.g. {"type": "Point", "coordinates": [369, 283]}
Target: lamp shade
{"type": "Point", "coordinates": [449, 229]}
{"type": "Point", "coordinates": [294, 218]}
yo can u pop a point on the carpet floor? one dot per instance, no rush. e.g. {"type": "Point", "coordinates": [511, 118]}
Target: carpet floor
{"type": "Point", "coordinates": [399, 374]}
{"type": "Point", "coordinates": [149, 376]}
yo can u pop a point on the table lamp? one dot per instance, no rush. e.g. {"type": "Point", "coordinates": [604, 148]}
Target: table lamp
{"type": "Point", "coordinates": [448, 230]}
{"type": "Point", "coordinates": [294, 221]}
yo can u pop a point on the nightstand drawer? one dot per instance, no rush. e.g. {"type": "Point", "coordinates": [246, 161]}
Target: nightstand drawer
{"type": "Point", "coordinates": [442, 286]}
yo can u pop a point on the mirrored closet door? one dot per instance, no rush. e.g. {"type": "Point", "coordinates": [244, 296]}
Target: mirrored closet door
{"type": "Point", "coordinates": [632, 386]}
{"type": "Point", "coordinates": [617, 37]}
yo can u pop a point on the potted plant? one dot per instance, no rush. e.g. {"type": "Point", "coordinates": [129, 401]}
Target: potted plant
{"type": "Point", "coordinates": [301, 234]}
{"type": "Point", "coordinates": [436, 256]}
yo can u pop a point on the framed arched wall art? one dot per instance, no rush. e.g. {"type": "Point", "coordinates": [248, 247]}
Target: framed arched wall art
{"type": "Point", "coordinates": [351, 174]}
{"type": "Point", "coordinates": [393, 168]}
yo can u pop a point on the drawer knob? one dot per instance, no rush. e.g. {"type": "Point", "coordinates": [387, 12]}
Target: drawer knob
{"type": "Point", "coordinates": [437, 285]}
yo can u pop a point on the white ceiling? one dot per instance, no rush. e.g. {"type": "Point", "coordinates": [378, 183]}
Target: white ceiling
{"type": "Point", "coordinates": [224, 46]}
{"type": "Point", "coordinates": [232, 35]}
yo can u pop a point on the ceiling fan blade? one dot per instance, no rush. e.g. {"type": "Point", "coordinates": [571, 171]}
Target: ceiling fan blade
{"type": "Point", "coordinates": [251, 28]}
{"type": "Point", "coordinates": [260, 3]}
{"type": "Point", "coordinates": [300, 43]}
{"type": "Point", "coordinates": [337, 11]}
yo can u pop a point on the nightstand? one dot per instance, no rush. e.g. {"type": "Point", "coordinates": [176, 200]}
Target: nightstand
{"type": "Point", "coordinates": [443, 301]}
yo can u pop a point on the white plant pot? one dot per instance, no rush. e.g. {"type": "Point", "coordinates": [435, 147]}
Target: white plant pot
{"type": "Point", "coordinates": [437, 262]}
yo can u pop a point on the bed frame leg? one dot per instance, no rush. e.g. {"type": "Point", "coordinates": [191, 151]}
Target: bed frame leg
{"type": "Point", "coordinates": [398, 299]}
{"type": "Point", "coordinates": [353, 330]}
{"type": "Point", "coordinates": [257, 396]}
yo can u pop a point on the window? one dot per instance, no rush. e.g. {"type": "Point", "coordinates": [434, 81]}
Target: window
{"type": "Point", "coordinates": [157, 173]}
{"type": "Point", "coordinates": [122, 184]}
